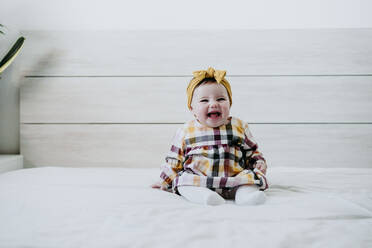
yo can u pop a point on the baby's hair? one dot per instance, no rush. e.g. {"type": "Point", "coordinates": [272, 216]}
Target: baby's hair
{"type": "Point", "coordinates": [206, 80]}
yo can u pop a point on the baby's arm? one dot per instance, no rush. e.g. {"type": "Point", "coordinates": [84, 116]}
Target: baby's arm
{"type": "Point", "coordinates": [169, 172]}
{"type": "Point", "coordinates": [254, 157]}
{"type": "Point", "coordinates": [173, 164]}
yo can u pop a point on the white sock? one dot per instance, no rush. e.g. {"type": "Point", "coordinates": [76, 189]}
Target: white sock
{"type": "Point", "coordinates": [201, 195]}
{"type": "Point", "coordinates": [249, 195]}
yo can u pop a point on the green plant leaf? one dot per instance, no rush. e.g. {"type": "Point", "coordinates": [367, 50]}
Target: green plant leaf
{"type": "Point", "coordinates": [17, 45]}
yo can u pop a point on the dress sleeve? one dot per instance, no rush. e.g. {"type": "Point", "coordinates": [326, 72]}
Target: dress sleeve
{"type": "Point", "coordinates": [253, 155]}
{"type": "Point", "coordinates": [173, 161]}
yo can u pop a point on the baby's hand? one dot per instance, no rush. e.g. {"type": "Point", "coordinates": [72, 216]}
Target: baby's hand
{"type": "Point", "coordinates": [156, 185]}
{"type": "Point", "coordinates": [261, 166]}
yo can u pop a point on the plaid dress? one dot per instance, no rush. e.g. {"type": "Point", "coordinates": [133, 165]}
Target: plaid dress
{"type": "Point", "coordinates": [220, 158]}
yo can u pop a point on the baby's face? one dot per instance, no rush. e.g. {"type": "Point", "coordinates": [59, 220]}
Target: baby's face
{"type": "Point", "coordinates": [210, 104]}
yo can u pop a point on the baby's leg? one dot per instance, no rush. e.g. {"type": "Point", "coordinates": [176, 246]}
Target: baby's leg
{"type": "Point", "coordinates": [249, 195]}
{"type": "Point", "coordinates": [200, 195]}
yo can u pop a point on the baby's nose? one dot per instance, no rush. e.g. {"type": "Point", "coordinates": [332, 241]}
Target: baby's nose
{"type": "Point", "coordinates": [213, 103]}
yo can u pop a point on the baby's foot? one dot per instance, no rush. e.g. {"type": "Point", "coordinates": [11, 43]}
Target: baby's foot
{"type": "Point", "coordinates": [201, 195]}
{"type": "Point", "coordinates": [251, 198]}
{"type": "Point", "coordinates": [214, 199]}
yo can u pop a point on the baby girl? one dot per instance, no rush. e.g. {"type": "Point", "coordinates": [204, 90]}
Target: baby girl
{"type": "Point", "coordinates": [214, 156]}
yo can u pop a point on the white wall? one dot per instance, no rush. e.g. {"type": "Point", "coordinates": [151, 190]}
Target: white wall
{"type": "Point", "coordinates": [162, 14]}
{"type": "Point", "coordinates": [191, 14]}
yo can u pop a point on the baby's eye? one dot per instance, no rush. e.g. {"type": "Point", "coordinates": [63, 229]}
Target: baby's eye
{"type": "Point", "coordinates": [204, 100]}
{"type": "Point", "coordinates": [221, 99]}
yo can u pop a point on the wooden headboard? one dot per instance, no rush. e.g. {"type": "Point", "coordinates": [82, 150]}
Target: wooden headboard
{"type": "Point", "coordinates": [116, 98]}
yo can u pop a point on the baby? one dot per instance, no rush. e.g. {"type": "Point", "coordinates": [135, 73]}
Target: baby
{"type": "Point", "coordinates": [214, 157]}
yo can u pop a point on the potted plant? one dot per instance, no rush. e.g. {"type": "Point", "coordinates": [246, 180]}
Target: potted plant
{"type": "Point", "coordinates": [11, 43]}
{"type": "Point", "coordinates": [9, 48]}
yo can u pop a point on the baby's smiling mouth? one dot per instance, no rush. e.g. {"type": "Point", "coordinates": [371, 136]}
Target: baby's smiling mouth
{"type": "Point", "coordinates": [214, 114]}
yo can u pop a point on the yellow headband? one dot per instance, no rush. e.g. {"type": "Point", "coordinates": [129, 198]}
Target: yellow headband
{"type": "Point", "coordinates": [210, 73]}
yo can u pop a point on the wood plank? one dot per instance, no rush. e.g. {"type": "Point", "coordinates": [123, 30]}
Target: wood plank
{"type": "Point", "coordinates": [167, 52]}
{"type": "Point", "coordinates": [163, 99]}
{"type": "Point", "coordinates": [136, 145]}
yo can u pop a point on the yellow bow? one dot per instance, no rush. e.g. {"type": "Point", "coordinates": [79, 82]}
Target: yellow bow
{"type": "Point", "coordinates": [210, 73]}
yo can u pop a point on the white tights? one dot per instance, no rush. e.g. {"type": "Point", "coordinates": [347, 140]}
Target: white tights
{"type": "Point", "coordinates": [245, 195]}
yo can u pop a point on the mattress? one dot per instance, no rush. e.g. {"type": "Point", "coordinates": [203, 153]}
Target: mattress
{"type": "Point", "coordinates": [116, 207]}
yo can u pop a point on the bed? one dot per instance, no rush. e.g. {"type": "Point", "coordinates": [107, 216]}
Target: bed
{"type": "Point", "coordinates": [115, 207]}
{"type": "Point", "coordinates": [93, 137]}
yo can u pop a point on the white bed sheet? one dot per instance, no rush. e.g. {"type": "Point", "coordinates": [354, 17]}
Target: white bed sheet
{"type": "Point", "coordinates": [112, 207]}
